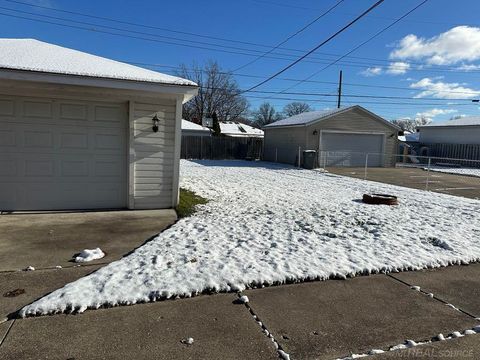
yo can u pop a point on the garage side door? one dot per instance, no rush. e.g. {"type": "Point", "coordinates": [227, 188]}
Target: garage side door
{"type": "Point", "coordinates": [347, 149]}
{"type": "Point", "coordinates": [60, 154]}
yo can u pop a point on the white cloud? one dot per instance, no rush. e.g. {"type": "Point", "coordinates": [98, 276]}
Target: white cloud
{"type": "Point", "coordinates": [443, 90]}
{"type": "Point", "coordinates": [398, 68]}
{"type": "Point", "coordinates": [459, 44]}
{"type": "Point", "coordinates": [372, 71]}
{"type": "Point", "coordinates": [430, 114]}
{"type": "Point", "coordinates": [468, 67]}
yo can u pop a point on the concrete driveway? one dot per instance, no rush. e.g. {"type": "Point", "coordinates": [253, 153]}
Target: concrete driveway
{"type": "Point", "coordinates": [48, 241]}
{"type": "Point", "coordinates": [315, 320]}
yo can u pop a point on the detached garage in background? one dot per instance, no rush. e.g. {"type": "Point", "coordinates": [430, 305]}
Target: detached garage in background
{"type": "Point", "coordinates": [78, 131]}
{"type": "Point", "coordinates": [341, 137]}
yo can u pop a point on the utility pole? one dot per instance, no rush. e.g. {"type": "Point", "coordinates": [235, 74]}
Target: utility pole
{"type": "Point", "coordinates": [340, 90]}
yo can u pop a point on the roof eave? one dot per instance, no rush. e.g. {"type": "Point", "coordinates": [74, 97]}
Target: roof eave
{"type": "Point", "coordinates": [187, 90]}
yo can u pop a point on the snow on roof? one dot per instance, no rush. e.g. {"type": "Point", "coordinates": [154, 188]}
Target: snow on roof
{"type": "Point", "coordinates": [236, 129]}
{"type": "Point", "coordinates": [464, 121]}
{"type": "Point", "coordinates": [307, 117]}
{"type": "Point", "coordinates": [409, 137]}
{"type": "Point", "coordinates": [39, 56]}
{"type": "Point", "coordinates": [188, 125]}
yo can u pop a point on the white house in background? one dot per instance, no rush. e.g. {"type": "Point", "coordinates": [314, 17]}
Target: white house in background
{"type": "Point", "coordinates": [236, 129]}
{"type": "Point", "coordinates": [79, 131]}
{"type": "Point", "coordinates": [191, 129]}
{"type": "Point", "coordinates": [465, 130]}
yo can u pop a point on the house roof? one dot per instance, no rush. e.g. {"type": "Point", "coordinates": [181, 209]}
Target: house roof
{"type": "Point", "coordinates": [236, 129]}
{"type": "Point", "coordinates": [308, 118]}
{"type": "Point", "coordinates": [188, 125]}
{"type": "Point", "coordinates": [409, 137]}
{"type": "Point", "coordinates": [38, 56]}
{"type": "Point", "coordinates": [465, 121]}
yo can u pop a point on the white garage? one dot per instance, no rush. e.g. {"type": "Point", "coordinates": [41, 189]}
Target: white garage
{"type": "Point", "coordinates": [341, 137]}
{"type": "Point", "coordinates": [82, 132]}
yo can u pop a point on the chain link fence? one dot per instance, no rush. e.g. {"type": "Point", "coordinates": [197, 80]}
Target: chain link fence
{"type": "Point", "coordinates": [453, 176]}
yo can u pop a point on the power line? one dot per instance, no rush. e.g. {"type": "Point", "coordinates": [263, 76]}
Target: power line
{"type": "Point", "coordinates": [366, 96]}
{"type": "Point", "coordinates": [204, 36]}
{"type": "Point", "coordinates": [363, 102]}
{"type": "Point", "coordinates": [363, 43]}
{"type": "Point", "coordinates": [296, 80]}
{"type": "Point", "coordinates": [240, 50]}
{"type": "Point", "coordinates": [319, 45]}
{"type": "Point", "coordinates": [292, 35]}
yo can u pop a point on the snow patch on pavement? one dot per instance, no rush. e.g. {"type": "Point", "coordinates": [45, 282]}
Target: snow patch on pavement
{"type": "Point", "coordinates": [457, 171]}
{"type": "Point", "coordinates": [89, 255]}
{"type": "Point", "coordinates": [267, 224]}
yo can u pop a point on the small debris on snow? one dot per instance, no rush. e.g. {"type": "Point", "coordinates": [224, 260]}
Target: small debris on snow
{"type": "Point", "coordinates": [243, 299]}
{"type": "Point", "coordinates": [416, 288]}
{"type": "Point", "coordinates": [89, 255]}
{"type": "Point", "coordinates": [187, 341]}
{"type": "Point", "coordinates": [14, 293]}
{"type": "Point", "coordinates": [440, 337]}
{"type": "Point", "coordinates": [30, 268]}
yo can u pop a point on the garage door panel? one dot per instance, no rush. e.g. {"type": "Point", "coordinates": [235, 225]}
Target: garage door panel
{"type": "Point", "coordinates": [7, 138]}
{"type": "Point", "coordinates": [73, 139]}
{"type": "Point", "coordinates": [38, 109]}
{"type": "Point", "coordinates": [8, 168]}
{"type": "Point", "coordinates": [74, 168]}
{"type": "Point", "coordinates": [42, 139]}
{"type": "Point", "coordinates": [70, 111]}
{"type": "Point", "coordinates": [7, 107]}
{"type": "Point", "coordinates": [350, 149]}
{"type": "Point", "coordinates": [60, 154]}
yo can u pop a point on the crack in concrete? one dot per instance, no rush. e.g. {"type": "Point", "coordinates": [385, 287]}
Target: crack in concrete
{"type": "Point", "coordinates": [410, 344]}
{"type": "Point", "coordinates": [281, 352]}
{"type": "Point", "coordinates": [7, 332]}
{"type": "Point", "coordinates": [433, 296]}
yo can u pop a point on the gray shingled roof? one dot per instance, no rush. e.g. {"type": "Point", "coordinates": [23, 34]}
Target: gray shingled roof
{"type": "Point", "coordinates": [465, 121]}
{"type": "Point", "coordinates": [307, 117]}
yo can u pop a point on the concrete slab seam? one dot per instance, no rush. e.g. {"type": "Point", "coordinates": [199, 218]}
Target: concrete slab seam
{"type": "Point", "coordinates": [433, 296]}
{"type": "Point", "coordinates": [281, 352]}
{"type": "Point", "coordinates": [7, 332]}
{"type": "Point", "coordinates": [408, 344]}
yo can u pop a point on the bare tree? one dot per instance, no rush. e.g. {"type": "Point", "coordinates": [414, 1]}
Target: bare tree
{"type": "Point", "coordinates": [411, 125]}
{"type": "Point", "coordinates": [266, 114]}
{"type": "Point", "coordinates": [295, 108]}
{"type": "Point", "coordinates": [218, 93]}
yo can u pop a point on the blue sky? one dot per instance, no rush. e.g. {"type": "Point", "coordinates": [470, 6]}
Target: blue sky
{"type": "Point", "coordinates": [432, 56]}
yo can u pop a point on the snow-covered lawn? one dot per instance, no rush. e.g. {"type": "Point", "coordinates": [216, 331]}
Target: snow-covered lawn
{"type": "Point", "coordinates": [457, 171]}
{"type": "Point", "coordinates": [265, 224]}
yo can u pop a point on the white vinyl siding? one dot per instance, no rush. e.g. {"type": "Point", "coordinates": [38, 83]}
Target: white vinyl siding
{"type": "Point", "coordinates": [58, 154]}
{"type": "Point", "coordinates": [153, 154]}
{"type": "Point", "coordinates": [450, 135]}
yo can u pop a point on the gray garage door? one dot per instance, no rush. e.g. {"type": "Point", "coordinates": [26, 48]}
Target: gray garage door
{"type": "Point", "coordinates": [60, 154]}
{"type": "Point", "coordinates": [345, 149]}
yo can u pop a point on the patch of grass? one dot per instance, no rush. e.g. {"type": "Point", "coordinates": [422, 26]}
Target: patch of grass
{"type": "Point", "coordinates": [187, 203]}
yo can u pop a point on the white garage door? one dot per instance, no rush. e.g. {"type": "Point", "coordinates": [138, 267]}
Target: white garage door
{"type": "Point", "coordinates": [348, 149]}
{"type": "Point", "coordinates": [60, 154]}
